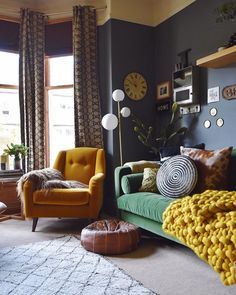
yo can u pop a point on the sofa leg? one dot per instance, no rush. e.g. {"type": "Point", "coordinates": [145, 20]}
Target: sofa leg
{"type": "Point", "coordinates": [35, 221]}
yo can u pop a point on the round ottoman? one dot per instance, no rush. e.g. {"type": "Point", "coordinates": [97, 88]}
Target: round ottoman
{"type": "Point", "coordinates": [110, 236]}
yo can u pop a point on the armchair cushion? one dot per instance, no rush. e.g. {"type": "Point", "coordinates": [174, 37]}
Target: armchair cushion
{"type": "Point", "coordinates": [59, 196]}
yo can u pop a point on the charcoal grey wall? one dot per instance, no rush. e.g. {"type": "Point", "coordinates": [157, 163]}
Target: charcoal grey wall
{"type": "Point", "coordinates": [132, 51]}
{"type": "Point", "coordinates": [123, 48]}
{"type": "Point", "coordinates": [195, 27]}
{"type": "Point", "coordinates": [126, 47]}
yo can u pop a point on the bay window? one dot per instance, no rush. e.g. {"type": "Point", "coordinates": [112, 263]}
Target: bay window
{"type": "Point", "coordinates": [9, 102]}
{"type": "Point", "coordinates": [60, 105]}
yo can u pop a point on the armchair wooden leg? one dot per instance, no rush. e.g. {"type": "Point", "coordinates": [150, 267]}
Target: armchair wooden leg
{"type": "Point", "coordinates": [35, 221]}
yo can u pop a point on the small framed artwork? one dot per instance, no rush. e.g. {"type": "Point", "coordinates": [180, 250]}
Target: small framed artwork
{"type": "Point", "coordinates": [163, 90]}
{"type": "Point", "coordinates": [213, 94]}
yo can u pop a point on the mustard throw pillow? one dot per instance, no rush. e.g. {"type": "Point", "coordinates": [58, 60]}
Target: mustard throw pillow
{"type": "Point", "coordinates": [149, 180]}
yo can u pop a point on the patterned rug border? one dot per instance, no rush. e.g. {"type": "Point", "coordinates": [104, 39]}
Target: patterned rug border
{"type": "Point", "coordinates": [10, 284]}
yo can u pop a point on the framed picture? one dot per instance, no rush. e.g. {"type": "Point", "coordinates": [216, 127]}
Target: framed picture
{"type": "Point", "coordinates": [213, 94]}
{"type": "Point", "coordinates": [163, 90]}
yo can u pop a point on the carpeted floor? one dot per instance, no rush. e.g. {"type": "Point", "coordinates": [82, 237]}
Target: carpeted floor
{"type": "Point", "coordinates": [166, 268]}
{"type": "Point", "coordinates": [62, 266]}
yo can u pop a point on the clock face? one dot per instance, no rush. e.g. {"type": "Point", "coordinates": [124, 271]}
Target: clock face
{"type": "Point", "coordinates": [135, 86]}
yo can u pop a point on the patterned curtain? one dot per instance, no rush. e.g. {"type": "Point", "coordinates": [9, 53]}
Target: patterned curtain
{"type": "Point", "coordinates": [88, 131]}
{"type": "Point", "coordinates": [31, 87]}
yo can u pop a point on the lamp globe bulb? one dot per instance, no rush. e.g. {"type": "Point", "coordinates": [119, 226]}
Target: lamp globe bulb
{"type": "Point", "coordinates": [109, 121]}
{"type": "Point", "coordinates": [125, 112]}
{"type": "Point", "coordinates": [118, 95]}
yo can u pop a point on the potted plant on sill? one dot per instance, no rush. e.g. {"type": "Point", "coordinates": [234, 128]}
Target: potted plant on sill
{"type": "Point", "coordinates": [19, 151]}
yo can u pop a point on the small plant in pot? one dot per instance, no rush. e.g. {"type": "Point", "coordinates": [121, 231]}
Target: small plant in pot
{"type": "Point", "coordinates": [19, 151]}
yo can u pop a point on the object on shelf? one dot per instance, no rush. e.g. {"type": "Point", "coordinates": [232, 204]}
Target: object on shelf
{"type": "Point", "coordinates": [218, 59]}
{"type": "Point", "coordinates": [4, 162]}
{"type": "Point", "coordinates": [226, 11]}
{"type": "Point", "coordinates": [232, 40]}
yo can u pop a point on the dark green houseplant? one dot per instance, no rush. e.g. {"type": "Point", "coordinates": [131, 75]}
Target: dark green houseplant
{"type": "Point", "coordinates": [19, 151]}
{"type": "Point", "coordinates": [226, 11]}
{"type": "Point", "coordinates": [167, 135]}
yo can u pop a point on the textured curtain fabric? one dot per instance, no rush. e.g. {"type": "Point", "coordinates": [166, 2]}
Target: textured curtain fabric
{"type": "Point", "coordinates": [31, 87]}
{"type": "Point", "coordinates": [88, 131]}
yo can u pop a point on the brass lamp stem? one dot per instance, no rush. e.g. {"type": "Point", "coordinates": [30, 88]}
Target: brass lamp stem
{"type": "Point", "coordinates": [120, 133]}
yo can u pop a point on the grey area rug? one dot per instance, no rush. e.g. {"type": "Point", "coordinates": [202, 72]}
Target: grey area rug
{"type": "Point", "coordinates": [63, 267]}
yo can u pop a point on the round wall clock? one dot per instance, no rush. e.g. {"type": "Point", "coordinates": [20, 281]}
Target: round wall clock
{"type": "Point", "coordinates": [135, 86]}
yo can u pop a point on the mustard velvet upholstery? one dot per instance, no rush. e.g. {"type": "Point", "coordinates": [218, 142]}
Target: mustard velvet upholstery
{"type": "Point", "coordinates": [84, 164]}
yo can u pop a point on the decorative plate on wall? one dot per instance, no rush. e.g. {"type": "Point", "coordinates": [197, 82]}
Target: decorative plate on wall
{"type": "Point", "coordinates": [135, 86]}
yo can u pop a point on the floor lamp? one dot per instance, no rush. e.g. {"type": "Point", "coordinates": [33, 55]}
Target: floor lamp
{"type": "Point", "coordinates": [110, 121]}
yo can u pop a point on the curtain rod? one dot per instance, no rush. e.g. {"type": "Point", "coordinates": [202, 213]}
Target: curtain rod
{"type": "Point", "coordinates": [17, 12]}
{"type": "Point", "coordinates": [69, 11]}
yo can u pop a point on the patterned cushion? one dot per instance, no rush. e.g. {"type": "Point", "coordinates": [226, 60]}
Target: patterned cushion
{"type": "Point", "coordinates": [212, 167]}
{"type": "Point", "coordinates": [149, 180]}
{"type": "Point", "coordinates": [138, 166]}
{"type": "Point", "coordinates": [177, 177]}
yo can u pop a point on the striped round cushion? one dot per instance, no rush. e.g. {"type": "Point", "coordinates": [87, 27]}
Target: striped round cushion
{"type": "Point", "coordinates": [177, 177]}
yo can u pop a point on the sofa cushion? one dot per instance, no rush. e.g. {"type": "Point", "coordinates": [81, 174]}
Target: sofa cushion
{"type": "Point", "coordinates": [232, 171]}
{"type": "Point", "coordinates": [131, 183]}
{"type": "Point", "coordinates": [170, 151]}
{"type": "Point", "coordinates": [149, 180]}
{"type": "Point", "coordinates": [138, 166]}
{"type": "Point", "coordinates": [212, 167]}
{"type": "Point", "coordinates": [149, 205]}
{"type": "Point", "coordinates": [177, 177]}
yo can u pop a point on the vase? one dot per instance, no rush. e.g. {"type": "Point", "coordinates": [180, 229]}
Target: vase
{"type": "Point", "coordinates": [17, 163]}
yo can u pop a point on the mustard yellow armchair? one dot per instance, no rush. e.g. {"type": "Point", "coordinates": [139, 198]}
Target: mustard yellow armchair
{"type": "Point", "coordinates": [83, 164]}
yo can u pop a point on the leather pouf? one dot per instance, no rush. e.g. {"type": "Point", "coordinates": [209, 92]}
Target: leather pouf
{"type": "Point", "coordinates": [110, 236]}
{"type": "Point", "coordinates": [3, 207]}
{"type": "Point", "coordinates": [177, 177]}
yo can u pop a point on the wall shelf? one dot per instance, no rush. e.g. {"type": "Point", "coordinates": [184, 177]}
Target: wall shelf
{"type": "Point", "coordinates": [219, 59]}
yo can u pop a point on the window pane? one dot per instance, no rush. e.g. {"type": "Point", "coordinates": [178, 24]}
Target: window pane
{"type": "Point", "coordinates": [61, 121]}
{"type": "Point", "coordinates": [61, 70]}
{"type": "Point", "coordinates": [9, 69]}
{"type": "Point", "coordinates": [9, 120]}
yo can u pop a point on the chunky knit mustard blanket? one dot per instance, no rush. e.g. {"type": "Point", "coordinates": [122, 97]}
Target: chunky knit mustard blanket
{"type": "Point", "coordinates": [206, 223]}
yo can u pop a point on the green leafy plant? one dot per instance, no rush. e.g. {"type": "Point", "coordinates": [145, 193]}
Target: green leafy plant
{"type": "Point", "coordinates": [226, 11]}
{"type": "Point", "coordinates": [16, 150]}
{"type": "Point", "coordinates": [146, 137]}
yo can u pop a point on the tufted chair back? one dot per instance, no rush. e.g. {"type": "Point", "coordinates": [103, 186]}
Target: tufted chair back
{"type": "Point", "coordinates": [80, 163]}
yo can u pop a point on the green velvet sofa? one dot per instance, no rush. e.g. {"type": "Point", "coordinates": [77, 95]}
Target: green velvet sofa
{"type": "Point", "coordinates": [145, 209]}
